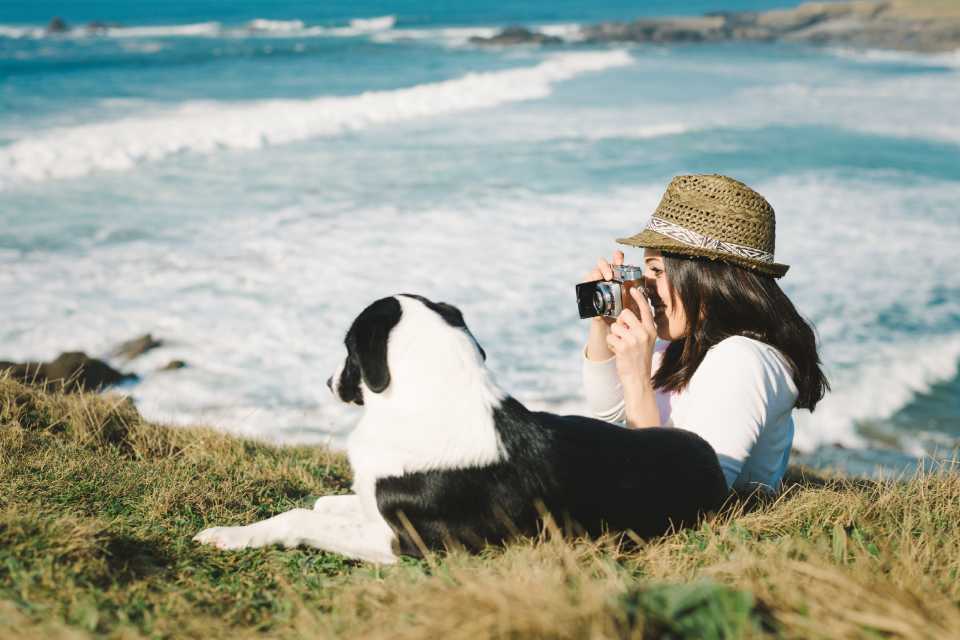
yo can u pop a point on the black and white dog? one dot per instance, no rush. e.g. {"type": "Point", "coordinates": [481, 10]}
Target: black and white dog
{"type": "Point", "coordinates": [442, 457]}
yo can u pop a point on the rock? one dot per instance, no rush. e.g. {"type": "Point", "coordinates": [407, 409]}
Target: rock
{"type": "Point", "coordinates": [911, 25]}
{"type": "Point", "coordinates": [173, 365]}
{"type": "Point", "coordinates": [57, 25]}
{"type": "Point", "coordinates": [73, 371]}
{"type": "Point", "coordinates": [516, 35]}
{"type": "Point", "coordinates": [136, 347]}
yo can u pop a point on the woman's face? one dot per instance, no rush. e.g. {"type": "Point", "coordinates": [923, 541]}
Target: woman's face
{"type": "Point", "coordinates": [669, 316]}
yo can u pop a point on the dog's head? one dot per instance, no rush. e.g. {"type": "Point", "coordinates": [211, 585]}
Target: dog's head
{"type": "Point", "coordinates": [404, 337]}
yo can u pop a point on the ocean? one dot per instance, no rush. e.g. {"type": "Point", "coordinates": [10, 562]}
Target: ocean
{"type": "Point", "coordinates": [241, 179]}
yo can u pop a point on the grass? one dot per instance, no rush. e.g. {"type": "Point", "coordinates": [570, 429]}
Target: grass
{"type": "Point", "coordinates": [97, 508]}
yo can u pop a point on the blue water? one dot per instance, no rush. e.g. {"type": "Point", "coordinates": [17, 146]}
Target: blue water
{"type": "Point", "coordinates": [241, 178]}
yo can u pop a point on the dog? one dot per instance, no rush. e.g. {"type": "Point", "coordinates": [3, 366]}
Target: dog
{"type": "Point", "coordinates": [442, 457]}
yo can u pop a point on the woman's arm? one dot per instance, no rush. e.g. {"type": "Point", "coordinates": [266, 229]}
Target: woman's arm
{"type": "Point", "coordinates": [602, 388]}
{"type": "Point", "coordinates": [597, 349]}
{"type": "Point", "coordinates": [601, 385]}
{"type": "Point", "coordinates": [632, 338]}
{"type": "Point", "coordinates": [640, 404]}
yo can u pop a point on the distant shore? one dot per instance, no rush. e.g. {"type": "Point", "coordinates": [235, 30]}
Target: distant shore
{"type": "Point", "coordinates": [923, 26]}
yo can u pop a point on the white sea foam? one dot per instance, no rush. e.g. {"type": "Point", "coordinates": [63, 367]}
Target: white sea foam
{"type": "Point", "coordinates": [884, 56]}
{"type": "Point", "coordinates": [461, 36]}
{"type": "Point", "coordinates": [205, 127]}
{"type": "Point", "coordinates": [275, 26]}
{"type": "Point", "coordinates": [448, 36]}
{"type": "Point", "coordinates": [257, 27]}
{"type": "Point", "coordinates": [892, 375]}
{"type": "Point", "coordinates": [198, 29]}
{"type": "Point", "coordinates": [914, 106]}
{"type": "Point", "coordinates": [357, 27]}
{"type": "Point", "coordinates": [14, 31]}
{"type": "Point", "coordinates": [286, 282]}
{"type": "Point", "coordinates": [371, 25]}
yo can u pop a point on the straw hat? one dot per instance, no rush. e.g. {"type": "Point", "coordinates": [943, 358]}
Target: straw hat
{"type": "Point", "coordinates": [714, 217]}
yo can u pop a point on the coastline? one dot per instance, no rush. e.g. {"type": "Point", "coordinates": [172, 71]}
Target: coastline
{"type": "Point", "coordinates": [210, 204]}
{"type": "Point", "coordinates": [919, 26]}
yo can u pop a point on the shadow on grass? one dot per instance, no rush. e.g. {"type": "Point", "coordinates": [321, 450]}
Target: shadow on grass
{"type": "Point", "coordinates": [131, 559]}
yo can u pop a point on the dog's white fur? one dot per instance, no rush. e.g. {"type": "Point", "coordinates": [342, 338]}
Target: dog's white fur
{"type": "Point", "coordinates": [436, 413]}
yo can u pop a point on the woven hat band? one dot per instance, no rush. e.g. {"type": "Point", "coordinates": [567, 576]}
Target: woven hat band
{"type": "Point", "coordinates": [692, 238]}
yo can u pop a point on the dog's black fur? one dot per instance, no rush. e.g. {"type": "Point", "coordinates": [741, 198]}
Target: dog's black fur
{"type": "Point", "coordinates": [590, 476]}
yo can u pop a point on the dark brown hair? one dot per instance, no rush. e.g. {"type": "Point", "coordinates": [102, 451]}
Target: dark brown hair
{"type": "Point", "coordinates": [723, 300]}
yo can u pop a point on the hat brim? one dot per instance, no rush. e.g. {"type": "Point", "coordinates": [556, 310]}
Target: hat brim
{"type": "Point", "coordinates": [653, 240]}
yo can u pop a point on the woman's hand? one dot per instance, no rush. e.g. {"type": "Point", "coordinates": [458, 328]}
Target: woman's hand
{"type": "Point", "coordinates": [600, 325]}
{"type": "Point", "coordinates": [631, 339]}
{"type": "Point", "coordinates": [604, 271]}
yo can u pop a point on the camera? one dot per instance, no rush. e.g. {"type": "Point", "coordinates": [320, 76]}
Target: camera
{"type": "Point", "coordinates": [609, 297]}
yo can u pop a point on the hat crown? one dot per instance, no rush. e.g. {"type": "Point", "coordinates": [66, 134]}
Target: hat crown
{"type": "Point", "coordinates": [720, 207]}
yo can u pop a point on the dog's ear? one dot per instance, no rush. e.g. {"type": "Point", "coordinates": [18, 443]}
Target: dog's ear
{"type": "Point", "coordinates": [368, 337]}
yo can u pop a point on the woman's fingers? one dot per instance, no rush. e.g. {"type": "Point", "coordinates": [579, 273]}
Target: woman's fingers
{"type": "Point", "coordinates": [646, 316]}
{"type": "Point", "coordinates": [605, 270]}
{"type": "Point", "coordinates": [627, 319]}
{"type": "Point", "coordinates": [613, 342]}
{"type": "Point", "coordinates": [593, 276]}
{"type": "Point", "coordinates": [619, 329]}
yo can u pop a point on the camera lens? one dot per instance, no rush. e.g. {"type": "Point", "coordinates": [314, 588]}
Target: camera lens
{"type": "Point", "coordinates": [603, 302]}
{"type": "Point", "coordinates": [598, 303]}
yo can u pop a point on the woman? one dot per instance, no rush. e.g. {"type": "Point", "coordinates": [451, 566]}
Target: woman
{"type": "Point", "coordinates": [737, 357]}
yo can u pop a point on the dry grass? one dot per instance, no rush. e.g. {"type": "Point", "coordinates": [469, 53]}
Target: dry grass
{"type": "Point", "coordinates": [97, 508]}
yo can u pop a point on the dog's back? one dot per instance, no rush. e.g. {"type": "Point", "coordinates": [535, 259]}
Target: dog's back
{"type": "Point", "coordinates": [591, 476]}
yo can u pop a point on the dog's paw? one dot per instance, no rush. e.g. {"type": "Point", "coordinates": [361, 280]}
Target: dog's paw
{"type": "Point", "coordinates": [226, 537]}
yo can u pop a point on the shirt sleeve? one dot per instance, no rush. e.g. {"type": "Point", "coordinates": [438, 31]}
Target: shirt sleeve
{"type": "Point", "coordinates": [603, 390]}
{"type": "Point", "coordinates": [601, 385]}
{"type": "Point", "coordinates": [730, 398]}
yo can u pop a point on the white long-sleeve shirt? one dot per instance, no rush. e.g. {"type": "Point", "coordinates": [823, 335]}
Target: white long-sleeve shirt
{"type": "Point", "coordinates": [740, 400]}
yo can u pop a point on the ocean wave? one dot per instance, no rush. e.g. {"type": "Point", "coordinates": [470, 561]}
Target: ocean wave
{"type": "Point", "coordinates": [370, 25]}
{"type": "Point", "coordinates": [884, 56]}
{"type": "Point", "coordinates": [259, 27]}
{"type": "Point", "coordinates": [198, 29]}
{"type": "Point", "coordinates": [449, 36]}
{"type": "Point", "coordinates": [275, 26]}
{"type": "Point", "coordinates": [461, 36]}
{"type": "Point", "coordinates": [356, 27]}
{"type": "Point", "coordinates": [912, 106]}
{"type": "Point", "coordinates": [205, 127]}
{"type": "Point", "coordinates": [14, 32]}
{"type": "Point", "coordinates": [878, 390]}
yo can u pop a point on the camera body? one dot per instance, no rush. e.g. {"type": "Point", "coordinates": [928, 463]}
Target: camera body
{"type": "Point", "coordinates": [609, 297]}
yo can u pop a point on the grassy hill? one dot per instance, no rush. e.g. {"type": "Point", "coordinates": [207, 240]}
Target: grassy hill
{"type": "Point", "coordinates": [97, 508]}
